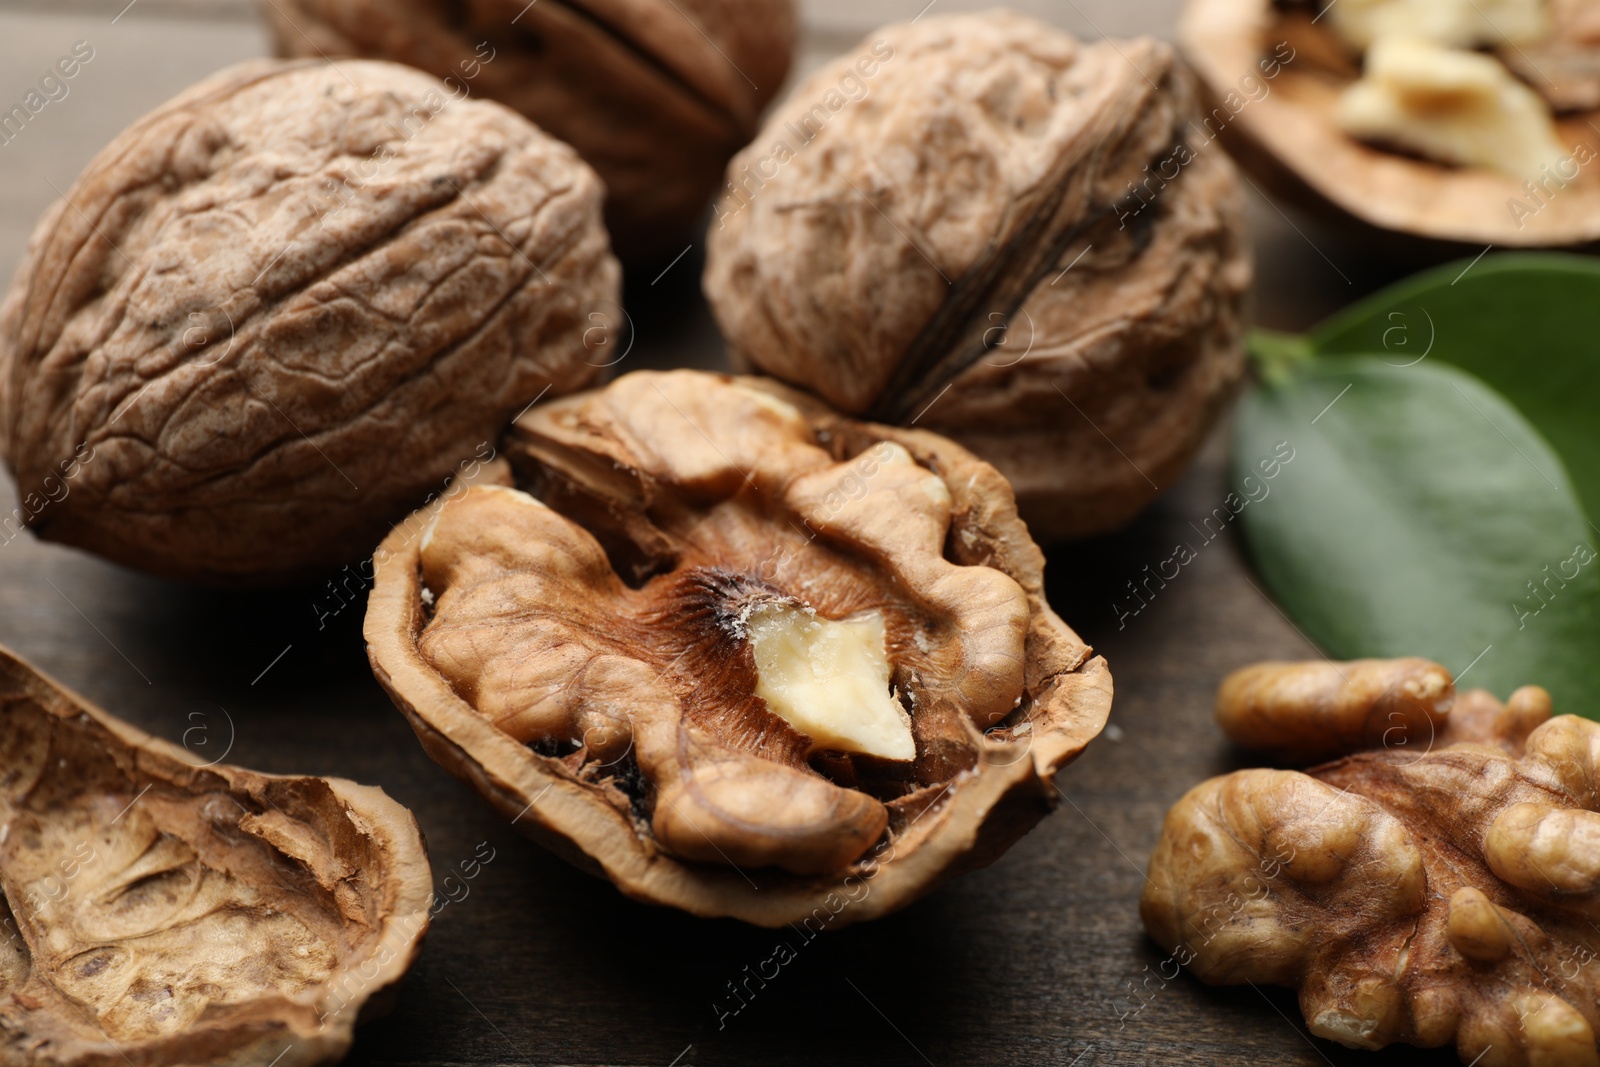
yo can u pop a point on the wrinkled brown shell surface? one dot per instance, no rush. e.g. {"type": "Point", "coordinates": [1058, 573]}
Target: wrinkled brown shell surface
{"type": "Point", "coordinates": [580, 660]}
{"type": "Point", "coordinates": [654, 94]}
{"type": "Point", "coordinates": [159, 912]}
{"type": "Point", "coordinates": [954, 224]}
{"type": "Point", "coordinates": [277, 312]}
{"type": "Point", "coordinates": [1290, 141]}
{"type": "Point", "coordinates": [1440, 890]}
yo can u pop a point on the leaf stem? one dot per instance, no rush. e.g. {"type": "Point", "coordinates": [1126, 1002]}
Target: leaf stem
{"type": "Point", "coordinates": [1277, 355]}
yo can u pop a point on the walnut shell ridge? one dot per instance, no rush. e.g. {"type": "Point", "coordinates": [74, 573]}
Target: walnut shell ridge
{"type": "Point", "coordinates": [278, 311]}
{"type": "Point", "coordinates": [977, 224]}
{"type": "Point", "coordinates": [655, 94]}
{"type": "Point", "coordinates": [162, 911]}
{"type": "Point", "coordinates": [561, 653]}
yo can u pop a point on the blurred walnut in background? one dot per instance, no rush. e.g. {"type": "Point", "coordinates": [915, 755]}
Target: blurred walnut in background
{"type": "Point", "coordinates": [977, 224]}
{"type": "Point", "coordinates": [656, 95]}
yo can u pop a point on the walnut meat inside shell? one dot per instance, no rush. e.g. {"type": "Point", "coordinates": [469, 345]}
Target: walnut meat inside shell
{"type": "Point", "coordinates": [160, 912]}
{"type": "Point", "coordinates": [978, 224]}
{"type": "Point", "coordinates": [586, 649]}
{"type": "Point", "coordinates": [654, 94]}
{"type": "Point", "coordinates": [1274, 73]}
{"type": "Point", "coordinates": [280, 310]}
{"type": "Point", "coordinates": [1440, 889]}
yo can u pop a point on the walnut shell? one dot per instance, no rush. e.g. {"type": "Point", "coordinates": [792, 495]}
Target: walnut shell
{"type": "Point", "coordinates": [1440, 889]}
{"type": "Point", "coordinates": [976, 224]}
{"type": "Point", "coordinates": [278, 311]}
{"type": "Point", "coordinates": [158, 911]}
{"type": "Point", "coordinates": [654, 94]}
{"type": "Point", "coordinates": [581, 657]}
{"type": "Point", "coordinates": [1564, 68]}
{"type": "Point", "coordinates": [1283, 130]}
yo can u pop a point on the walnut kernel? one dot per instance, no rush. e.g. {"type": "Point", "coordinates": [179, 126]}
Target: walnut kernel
{"type": "Point", "coordinates": [593, 657]}
{"type": "Point", "coordinates": [1433, 892]}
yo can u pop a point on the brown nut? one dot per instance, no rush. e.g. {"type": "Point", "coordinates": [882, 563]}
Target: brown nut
{"type": "Point", "coordinates": [654, 94]}
{"type": "Point", "coordinates": [1273, 75]}
{"type": "Point", "coordinates": [1304, 712]}
{"type": "Point", "coordinates": [1564, 68]}
{"type": "Point", "coordinates": [160, 911]}
{"type": "Point", "coordinates": [279, 310]}
{"type": "Point", "coordinates": [737, 653]}
{"type": "Point", "coordinates": [1429, 896]}
{"type": "Point", "coordinates": [980, 226]}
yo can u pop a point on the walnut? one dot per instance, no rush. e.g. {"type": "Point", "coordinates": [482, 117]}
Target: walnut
{"type": "Point", "coordinates": [654, 94]}
{"type": "Point", "coordinates": [1564, 67]}
{"type": "Point", "coordinates": [978, 225]}
{"type": "Point", "coordinates": [1440, 888]}
{"type": "Point", "coordinates": [737, 653]}
{"type": "Point", "coordinates": [1284, 95]}
{"type": "Point", "coordinates": [278, 311]}
{"type": "Point", "coordinates": [1453, 106]}
{"type": "Point", "coordinates": [157, 911]}
{"type": "Point", "coordinates": [1305, 712]}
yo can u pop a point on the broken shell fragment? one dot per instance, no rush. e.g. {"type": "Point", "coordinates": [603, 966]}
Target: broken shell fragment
{"type": "Point", "coordinates": [161, 912]}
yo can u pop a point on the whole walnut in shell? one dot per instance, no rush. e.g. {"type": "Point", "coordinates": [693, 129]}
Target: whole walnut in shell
{"type": "Point", "coordinates": [1440, 889]}
{"type": "Point", "coordinates": [977, 224]}
{"type": "Point", "coordinates": [162, 911]}
{"type": "Point", "coordinates": [277, 312]}
{"type": "Point", "coordinates": [654, 94]}
{"type": "Point", "coordinates": [736, 653]}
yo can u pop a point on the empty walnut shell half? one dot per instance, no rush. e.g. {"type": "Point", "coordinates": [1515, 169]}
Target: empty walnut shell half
{"type": "Point", "coordinates": [278, 311]}
{"type": "Point", "coordinates": [1437, 888]}
{"type": "Point", "coordinates": [1273, 75]}
{"type": "Point", "coordinates": [654, 94]}
{"type": "Point", "coordinates": [978, 225]}
{"type": "Point", "coordinates": [737, 653]}
{"type": "Point", "coordinates": [158, 911]}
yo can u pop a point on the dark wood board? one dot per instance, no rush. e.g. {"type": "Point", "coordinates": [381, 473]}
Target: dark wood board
{"type": "Point", "coordinates": [1039, 959]}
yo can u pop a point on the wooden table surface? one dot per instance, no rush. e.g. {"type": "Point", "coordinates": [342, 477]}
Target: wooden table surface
{"type": "Point", "coordinates": [1039, 959]}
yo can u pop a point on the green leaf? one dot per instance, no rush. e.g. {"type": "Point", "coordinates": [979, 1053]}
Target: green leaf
{"type": "Point", "coordinates": [1420, 514]}
{"type": "Point", "coordinates": [1528, 324]}
{"type": "Point", "coordinates": [1278, 354]}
